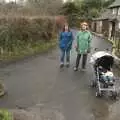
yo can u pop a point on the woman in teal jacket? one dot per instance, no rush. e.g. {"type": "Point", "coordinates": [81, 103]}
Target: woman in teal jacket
{"type": "Point", "coordinates": [84, 38]}
{"type": "Point", "coordinates": [65, 44]}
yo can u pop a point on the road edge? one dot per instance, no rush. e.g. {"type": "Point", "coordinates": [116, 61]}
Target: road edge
{"type": "Point", "coordinates": [117, 59]}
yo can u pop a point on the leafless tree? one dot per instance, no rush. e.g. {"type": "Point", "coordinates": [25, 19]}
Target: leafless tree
{"type": "Point", "coordinates": [50, 6]}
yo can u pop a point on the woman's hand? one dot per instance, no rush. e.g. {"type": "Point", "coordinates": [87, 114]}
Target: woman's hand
{"type": "Point", "coordinates": [89, 50]}
{"type": "Point", "coordinates": [76, 48]}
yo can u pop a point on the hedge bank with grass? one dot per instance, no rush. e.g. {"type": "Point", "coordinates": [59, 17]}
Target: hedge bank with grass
{"type": "Point", "coordinates": [23, 36]}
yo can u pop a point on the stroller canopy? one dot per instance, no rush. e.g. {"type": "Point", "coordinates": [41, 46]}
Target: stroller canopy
{"type": "Point", "coordinates": [98, 55]}
{"type": "Point", "coordinates": [102, 58]}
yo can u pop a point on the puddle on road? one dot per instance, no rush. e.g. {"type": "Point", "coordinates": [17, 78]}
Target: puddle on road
{"type": "Point", "coordinates": [115, 107]}
{"type": "Point", "coordinates": [101, 110]}
{"type": "Point", "coordinates": [105, 108]}
{"type": "Point", "coordinates": [114, 111]}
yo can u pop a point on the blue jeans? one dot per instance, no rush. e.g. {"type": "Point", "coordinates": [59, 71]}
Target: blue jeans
{"type": "Point", "coordinates": [65, 53]}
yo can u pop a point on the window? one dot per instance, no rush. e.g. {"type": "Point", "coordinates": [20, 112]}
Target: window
{"type": "Point", "coordinates": [119, 25]}
{"type": "Point", "coordinates": [118, 11]}
{"type": "Point", "coordinates": [114, 11]}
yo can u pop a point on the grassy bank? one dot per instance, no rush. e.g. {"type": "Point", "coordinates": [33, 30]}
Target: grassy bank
{"type": "Point", "coordinates": [5, 115]}
{"type": "Point", "coordinates": [28, 50]}
{"type": "Point", "coordinates": [25, 36]}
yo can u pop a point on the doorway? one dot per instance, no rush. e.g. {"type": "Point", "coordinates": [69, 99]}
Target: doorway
{"type": "Point", "coordinates": [113, 29]}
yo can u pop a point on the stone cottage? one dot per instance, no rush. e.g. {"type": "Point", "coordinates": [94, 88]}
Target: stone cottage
{"type": "Point", "coordinates": [109, 21]}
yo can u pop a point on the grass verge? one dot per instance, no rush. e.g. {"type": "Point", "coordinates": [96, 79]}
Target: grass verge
{"type": "Point", "coordinates": [29, 50]}
{"type": "Point", "coordinates": [5, 115]}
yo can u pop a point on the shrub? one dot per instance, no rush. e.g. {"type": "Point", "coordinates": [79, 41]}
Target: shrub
{"type": "Point", "coordinates": [17, 32]}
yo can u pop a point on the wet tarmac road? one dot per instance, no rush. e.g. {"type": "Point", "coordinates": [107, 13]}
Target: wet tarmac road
{"type": "Point", "coordinates": [40, 81]}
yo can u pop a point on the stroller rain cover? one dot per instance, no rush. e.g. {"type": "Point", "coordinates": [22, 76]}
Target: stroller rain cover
{"type": "Point", "coordinates": [97, 55]}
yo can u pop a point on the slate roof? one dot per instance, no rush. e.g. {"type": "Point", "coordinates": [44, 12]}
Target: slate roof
{"type": "Point", "coordinates": [105, 15]}
{"type": "Point", "coordinates": [115, 4]}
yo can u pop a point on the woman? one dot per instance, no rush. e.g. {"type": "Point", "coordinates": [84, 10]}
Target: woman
{"type": "Point", "coordinates": [65, 44]}
{"type": "Point", "coordinates": [84, 38]}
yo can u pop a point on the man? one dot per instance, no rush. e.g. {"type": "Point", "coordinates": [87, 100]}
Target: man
{"type": "Point", "coordinates": [84, 38]}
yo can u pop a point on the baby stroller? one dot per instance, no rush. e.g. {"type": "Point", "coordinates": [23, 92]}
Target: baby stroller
{"type": "Point", "coordinates": [102, 63]}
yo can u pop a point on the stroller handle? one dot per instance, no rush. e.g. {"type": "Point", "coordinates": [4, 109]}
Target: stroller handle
{"type": "Point", "coordinates": [107, 49]}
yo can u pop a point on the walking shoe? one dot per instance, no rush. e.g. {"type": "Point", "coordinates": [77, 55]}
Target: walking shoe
{"type": "Point", "coordinates": [61, 65]}
{"type": "Point", "coordinates": [75, 69]}
{"type": "Point", "coordinates": [67, 64]}
{"type": "Point", "coordinates": [83, 69]}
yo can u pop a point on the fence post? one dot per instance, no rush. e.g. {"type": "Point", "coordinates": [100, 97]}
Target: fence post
{"type": "Point", "coordinates": [113, 48]}
{"type": "Point", "coordinates": [116, 43]}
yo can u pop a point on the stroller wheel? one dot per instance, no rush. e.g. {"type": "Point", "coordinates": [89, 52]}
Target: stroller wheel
{"type": "Point", "coordinates": [98, 94]}
{"type": "Point", "coordinates": [114, 95]}
{"type": "Point", "coordinates": [93, 84]}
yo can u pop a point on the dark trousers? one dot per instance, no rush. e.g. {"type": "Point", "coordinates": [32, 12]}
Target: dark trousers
{"type": "Point", "coordinates": [84, 60]}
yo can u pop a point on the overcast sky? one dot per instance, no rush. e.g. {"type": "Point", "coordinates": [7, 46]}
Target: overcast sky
{"type": "Point", "coordinates": [12, 0]}
{"type": "Point", "coordinates": [9, 0]}
{"type": "Point", "coordinates": [67, 0]}
{"type": "Point", "coordinates": [19, 0]}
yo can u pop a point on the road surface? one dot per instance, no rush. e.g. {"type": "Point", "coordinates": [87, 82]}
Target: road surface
{"type": "Point", "coordinates": [39, 81]}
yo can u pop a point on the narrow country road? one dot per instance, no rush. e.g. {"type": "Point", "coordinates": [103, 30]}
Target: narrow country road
{"type": "Point", "coordinates": [40, 81]}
